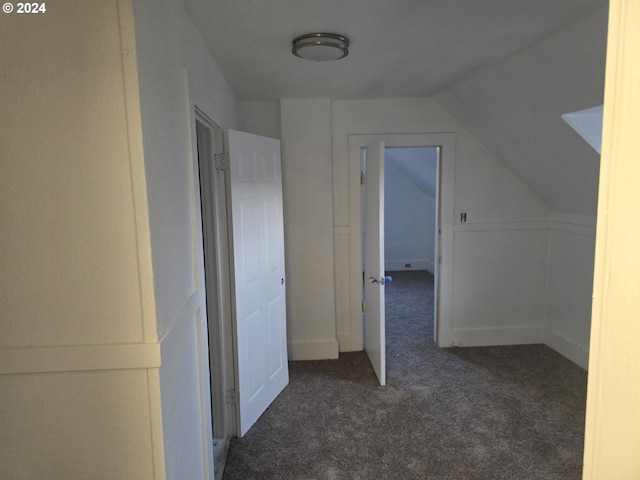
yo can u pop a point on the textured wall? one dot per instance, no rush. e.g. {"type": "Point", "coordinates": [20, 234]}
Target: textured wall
{"type": "Point", "coordinates": [79, 397]}
{"type": "Point", "coordinates": [76, 425]}
{"type": "Point", "coordinates": [177, 74]}
{"type": "Point", "coordinates": [308, 223]}
{"type": "Point", "coordinates": [69, 247]}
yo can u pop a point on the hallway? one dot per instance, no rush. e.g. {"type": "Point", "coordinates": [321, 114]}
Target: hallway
{"type": "Point", "coordinates": [511, 412]}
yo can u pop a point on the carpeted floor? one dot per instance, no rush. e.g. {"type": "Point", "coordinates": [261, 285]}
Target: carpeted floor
{"type": "Point", "coordinates": [511, 412]}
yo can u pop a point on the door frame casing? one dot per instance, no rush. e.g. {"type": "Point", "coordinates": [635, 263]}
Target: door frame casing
{"type": "Point", "coordinates": [445, 219]}
{"type": "Point", "coordinates": [217, 274]}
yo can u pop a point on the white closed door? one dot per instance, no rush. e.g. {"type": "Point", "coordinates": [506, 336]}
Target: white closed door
{"type": "Point", "coordinates": [255, 183]}
{"type": "Point", "coordinates": [374, 335]}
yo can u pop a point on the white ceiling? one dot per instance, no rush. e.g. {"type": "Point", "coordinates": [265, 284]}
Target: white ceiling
{"type": "Point", "coordinates": [506, 70]}
{"type": "Point", "coordinates": [399, 48]}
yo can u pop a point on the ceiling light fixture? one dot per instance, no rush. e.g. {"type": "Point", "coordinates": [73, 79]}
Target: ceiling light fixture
{"type": "Point", "coordinates": [320, 47]}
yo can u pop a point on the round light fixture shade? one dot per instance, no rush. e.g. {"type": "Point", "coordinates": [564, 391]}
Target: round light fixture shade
{"type": "Point", "coordinates": [320, 47]}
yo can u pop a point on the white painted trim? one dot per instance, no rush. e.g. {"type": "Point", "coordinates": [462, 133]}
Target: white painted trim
{"type": "Point", "coordinates": [185, 314]}
{"type": "Point", "coordinates": [218, 288]}
{"type": "Point", "coordinates": [399, 265]}
{"type": "Point", "coordinates": [572, 218]}
{"type": "Point", "coordinates": [580, 224]}
{"type": "Point", "coordinates": [348, 340]}
{"type": "Point", "coordinates": [126, 356]}
{"type": "Point", "coordinates": [447, 142]}
{"type": "Point", "coordinates": [567, 347]}
{"type": "Point", "coordinates": [313, 350]}
{"type": "Point", "coordinates": [79, 358]}
{"type": "Point", "coordinates": [155, 423]}
{"type": "Point", "coordinates": [612, 424]}
{"type": "Point", "coordinates": [499, 226]}
{"type": "Point", "coordinates": [572, 228]}
{"type": "Point", "coordinates": [482, 337]}
{"type": "Point", "coordinates": [573, 223]}
{"type": "Point", "coordinates": [139, 192]}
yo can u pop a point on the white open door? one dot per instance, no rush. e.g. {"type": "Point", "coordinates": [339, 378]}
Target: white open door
{"type": "Point", "coordinates": [255, 185]}
{"type": "Point", "coordinates": [374, 337]}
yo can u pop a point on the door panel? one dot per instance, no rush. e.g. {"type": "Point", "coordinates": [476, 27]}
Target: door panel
{"type": "Point", "coordinates": [258, 256]}
{"type": "Point", "coordinates": [374, 334]}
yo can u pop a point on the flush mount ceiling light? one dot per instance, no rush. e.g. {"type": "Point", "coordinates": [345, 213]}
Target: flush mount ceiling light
{"type": "Point", "coordinates": [320, 47]}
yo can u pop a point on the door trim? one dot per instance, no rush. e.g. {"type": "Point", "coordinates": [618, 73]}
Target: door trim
{"type": "Point", "coordinates": [217, 275]}
{"type": "Point", "coordinates": [444, 304]}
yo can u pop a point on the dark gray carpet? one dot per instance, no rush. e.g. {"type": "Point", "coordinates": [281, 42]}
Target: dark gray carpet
{"type": "Point", "coordinates": [511, 412]}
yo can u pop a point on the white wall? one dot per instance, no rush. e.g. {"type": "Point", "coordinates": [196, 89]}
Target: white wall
{"type": "Point", "coordinates": [508, 231]}
{"type": "Point", "coordinates": [499, 283]}
{"type": "Point", "coordinates": [514, 108]}
{"type": "Point", "coordinates": [570, 285]}
{"type": "Point", "coordinates": [523, 94]}
{"type": "Point", "coordinates": [501, 214]}
{"type": "Point", "coordinates": [259, 117]}
{"type": "Point", "coordinates": [79, 390]}
{"type": "Point", "coordinates": [409, 208]}
{"type": "Point", "coordinates": [177, 73]}
{"type": "Point", "coordinates": [308, 222]}
{"type": "Point", "coordinates": [409, 222]}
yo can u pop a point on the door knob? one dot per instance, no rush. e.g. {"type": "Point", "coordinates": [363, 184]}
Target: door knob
{"type": "Point", "coordinates": [380, 281]}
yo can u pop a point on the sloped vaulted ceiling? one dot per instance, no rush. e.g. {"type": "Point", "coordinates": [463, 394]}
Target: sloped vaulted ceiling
{"type": "Point", "coordinates": [505, 69]}
{"type": "Point", "coordinates": [514, 109]}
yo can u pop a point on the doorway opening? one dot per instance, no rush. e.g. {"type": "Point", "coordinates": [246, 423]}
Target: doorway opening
{"type": "Point", "coordinates": [411, 204]}
{"type": "Point", "coordinates": [242, 268]}
{"type": "Point", "coordinates": [441, 149]}
{"type": "Point", "coordinates": [216, 276]}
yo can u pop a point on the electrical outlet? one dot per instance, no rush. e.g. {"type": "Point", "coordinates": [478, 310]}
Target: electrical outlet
{"type": "Point", "coordinates": [407, 265]}
{"type": "Point", "coordinates": [463, 217]}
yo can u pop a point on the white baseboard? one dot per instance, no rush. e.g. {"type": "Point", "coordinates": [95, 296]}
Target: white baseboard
{"type": "Point", "coordinates": [399, 265]}
{"type": "Point", "coordinates": [351, 342]}
{"type": "Point", "coordinates": [313, 350]}
{"type": "Point", "coordinates": [567, 347]}
{"type": "Point", "coordinates": [482, 337]}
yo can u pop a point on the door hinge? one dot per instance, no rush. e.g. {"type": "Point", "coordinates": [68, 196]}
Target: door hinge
{"type": "Point", "coordinates": [364, 305]}
{"type": "Point", "coordinates": [232, 396]}
{"type": "Point", "coordinates": [362, 178]}
{"type": "Point", "coordinates": [221, 161]}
